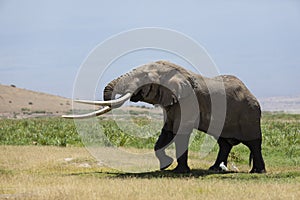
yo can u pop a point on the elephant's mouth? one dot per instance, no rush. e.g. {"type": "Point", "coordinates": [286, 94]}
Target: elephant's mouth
{"type": "Point", "coordinates": [137, 96]}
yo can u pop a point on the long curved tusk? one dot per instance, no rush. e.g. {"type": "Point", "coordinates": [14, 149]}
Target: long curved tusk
{"type": "Point", "coordinates": [89, 115]}
{"type": "Point", "coordinates": [112, 103]}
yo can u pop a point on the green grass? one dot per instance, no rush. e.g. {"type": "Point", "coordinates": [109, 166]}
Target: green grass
{"type": "Point", "coordinates": [39, 131]}
{"type": "Point", "coordinates": [280, 116]}
{"type": "Point", "coordinates": [281, 135]}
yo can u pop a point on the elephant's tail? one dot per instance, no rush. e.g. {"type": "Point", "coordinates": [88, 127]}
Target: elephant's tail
{"type": "Point", "coordinates": [250, 158]}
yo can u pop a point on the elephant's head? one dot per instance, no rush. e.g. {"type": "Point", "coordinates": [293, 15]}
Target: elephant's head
{"type": "Point", "coordinates": [160, 83]}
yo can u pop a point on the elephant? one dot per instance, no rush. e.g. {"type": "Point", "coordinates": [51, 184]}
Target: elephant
{"type": "Point", "coordinates": [190, 101]}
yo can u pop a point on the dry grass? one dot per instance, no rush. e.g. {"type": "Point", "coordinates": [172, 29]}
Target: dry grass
{"type": "Point", "coordinates": [41, 172]}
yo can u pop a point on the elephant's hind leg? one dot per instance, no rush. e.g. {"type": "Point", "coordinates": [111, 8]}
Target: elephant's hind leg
{"type": "Point", "coordinates": [258, 161]}
{"type": "Point", "coordinates": [224, 149]}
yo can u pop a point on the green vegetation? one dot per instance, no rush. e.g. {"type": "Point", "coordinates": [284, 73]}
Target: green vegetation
{"type": "Point", "coordinates": [280, 116]}
{"type": "Point", "coordinates": [27, 111]}
{"type": "Point", "coordinates": [281, 135]}
{"type": "Point", "coordinates": [38, 131]}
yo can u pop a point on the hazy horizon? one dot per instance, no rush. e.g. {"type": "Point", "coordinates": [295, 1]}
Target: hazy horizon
{"type": "Point", "coordinates": [44, 43]}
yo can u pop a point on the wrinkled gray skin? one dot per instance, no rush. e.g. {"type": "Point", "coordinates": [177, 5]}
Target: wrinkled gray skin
{"type": "Point", "coordinates": [186, 99]}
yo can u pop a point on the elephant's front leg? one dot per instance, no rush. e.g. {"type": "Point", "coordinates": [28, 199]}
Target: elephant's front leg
{"type": "Point", "coordinates": [164, 140]}
{"type": "Point", "coordinates": [181, 145]}
{"type": "Point", "coordinates": [224, 149]}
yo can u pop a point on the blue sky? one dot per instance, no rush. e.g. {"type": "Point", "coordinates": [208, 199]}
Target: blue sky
{"type": "Point", "coordinates": [43, 43]}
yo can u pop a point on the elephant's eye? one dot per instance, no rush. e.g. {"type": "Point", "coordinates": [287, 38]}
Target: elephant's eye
{"type": "Point", "coordinates": [146, 75]}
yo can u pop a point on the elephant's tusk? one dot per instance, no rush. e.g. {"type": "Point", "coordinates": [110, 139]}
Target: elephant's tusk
{"type": "Point", "coordinates": [112, 103]}
{"type": "Point", "coordinates": [88, 115]}
{"type": "Point", "coordinates": [108, 106]}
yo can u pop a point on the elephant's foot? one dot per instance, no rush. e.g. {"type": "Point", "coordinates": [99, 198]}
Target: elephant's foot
{"type": "Point", "coordinates": [215, 168]}
{"type": "Point", "coordinates": [225, 146]}
{"type": "Point", "coordinates": [181, 169]}
{"type": "Point", "coordinates": [259, 171]}
{"type": "Point", "coordinates": [165, 162]}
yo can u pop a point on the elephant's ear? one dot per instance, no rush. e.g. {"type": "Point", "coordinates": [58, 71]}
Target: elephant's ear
{"type": "Point", "coordinates": [174, 88]}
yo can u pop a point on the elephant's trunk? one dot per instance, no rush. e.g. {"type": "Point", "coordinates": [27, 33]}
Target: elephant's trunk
{"type": "Point", "coordinates": [116, 86]}
{"type": "Point", "coordinates": [108, 90]}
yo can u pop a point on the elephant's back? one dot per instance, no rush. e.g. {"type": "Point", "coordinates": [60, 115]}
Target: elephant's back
{"type": "Point", "coordinates": [238, 94]}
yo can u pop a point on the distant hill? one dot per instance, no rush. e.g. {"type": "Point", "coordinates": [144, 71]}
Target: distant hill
{"type": "Point", "coordinates": [22, 103]}
{"type": "Point", "coordinates": [16, 101]}
{"type": "Point", "coordinates": [281, 104]}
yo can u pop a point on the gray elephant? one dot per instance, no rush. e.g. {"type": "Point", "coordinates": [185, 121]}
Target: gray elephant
{"type": "Point", "coordinates": [190, 101]}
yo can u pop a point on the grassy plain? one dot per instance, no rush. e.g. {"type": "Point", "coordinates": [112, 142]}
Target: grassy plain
{"type": "Point", "coordinates": [45, 159]}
